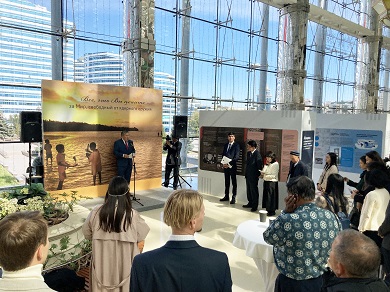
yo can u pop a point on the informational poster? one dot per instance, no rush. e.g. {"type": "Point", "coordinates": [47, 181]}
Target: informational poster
{"type": "Point", "coordinates": [85, 118]}
{"type": "Point", "coordinates": [307, 150]}
{"type": "Point", "coordinates": [349, 145]}
{"type": "Point", "coordinates": [213, 139]}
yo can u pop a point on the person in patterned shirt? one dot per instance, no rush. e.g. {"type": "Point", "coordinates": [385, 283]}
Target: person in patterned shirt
{"type": "Point", "coordinates": [302, 237]}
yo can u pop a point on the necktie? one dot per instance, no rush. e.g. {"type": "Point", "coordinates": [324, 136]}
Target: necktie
{"type": "Point", "coordinates": [228, 148]}
{"type": "Point", "coordinates": [127, 146]}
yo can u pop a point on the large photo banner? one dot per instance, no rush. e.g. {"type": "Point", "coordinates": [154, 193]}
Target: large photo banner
{"type": "Point", "coordinates": [80, 120]}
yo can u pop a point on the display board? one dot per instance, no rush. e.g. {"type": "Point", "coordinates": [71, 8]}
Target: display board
{"type": "Point", "coordinates": [212, 140]}
{"type": "Point", "coordinates": [77, 114]}
{"type": "Point", "coordinates": [348, 144]}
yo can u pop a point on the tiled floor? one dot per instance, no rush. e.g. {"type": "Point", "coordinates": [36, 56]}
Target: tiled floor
{"type": "Point", "coordinates": [220, 224]}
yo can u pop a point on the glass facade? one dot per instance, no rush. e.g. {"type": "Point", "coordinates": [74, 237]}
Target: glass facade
{"type": "Point", "coordinates": [231, 60]}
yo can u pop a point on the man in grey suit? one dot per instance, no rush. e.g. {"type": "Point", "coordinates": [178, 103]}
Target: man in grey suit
{"type": "Point", "coordinates": [182, 264]}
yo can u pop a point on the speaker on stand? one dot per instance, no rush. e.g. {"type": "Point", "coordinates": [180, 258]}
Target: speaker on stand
{"type": "Point", "coordinates": [180, 126]}
{"type": "Point", "coordinates": [30, 131]}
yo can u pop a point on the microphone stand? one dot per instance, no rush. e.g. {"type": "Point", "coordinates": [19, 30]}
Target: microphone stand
{"type": "Point", "coordinates": [134, 197]}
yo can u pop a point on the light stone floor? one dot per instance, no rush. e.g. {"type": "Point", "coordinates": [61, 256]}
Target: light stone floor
{"type": "Point", "coordinates": [220, 223]}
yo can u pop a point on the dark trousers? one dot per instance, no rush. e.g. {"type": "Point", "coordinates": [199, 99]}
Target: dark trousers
{"type": "Point", "coordinates": [230, 173]}
{"type": "Point", "coordinates": [286, 284]}
{"type": "Point", "coordinates": [386, 263]}
{"type": "Point", "coordinates": [252, 191]}
{"type": "Point", "coordinates": [270, 196]}
{"type": "Point", "coordinates": [125, 171]}
{"type": "Point", "coordinates": [374, 236]}
{"type": "Point", "coordinates": [168, 170]}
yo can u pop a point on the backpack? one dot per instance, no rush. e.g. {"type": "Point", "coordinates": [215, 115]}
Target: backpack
{"type": "Point", "coordinates": [344, 220]}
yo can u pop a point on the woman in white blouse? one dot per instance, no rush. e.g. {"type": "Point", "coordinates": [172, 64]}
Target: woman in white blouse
{"type": "Point", "coordinates": [270, 174]}
{"type": "Point", "coordinates": [329, 168]}
{"type": "Point", "coordinates": [375, 204]}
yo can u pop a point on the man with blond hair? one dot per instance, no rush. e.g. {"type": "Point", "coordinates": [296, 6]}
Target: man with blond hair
{"type": "Point", "coordinates": [182, 264]}
{"type": "Point", "coordinates": [24, 246]}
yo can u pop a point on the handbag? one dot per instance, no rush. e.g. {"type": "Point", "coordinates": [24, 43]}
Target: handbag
{"type": "Point", "coordinates": [354, 218]}
{"type": "Point", "coordinates": [344, 220]}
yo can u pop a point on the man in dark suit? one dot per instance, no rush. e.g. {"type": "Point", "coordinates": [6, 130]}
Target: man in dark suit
{"type": "Point", "coordinates": [181, 264]}
{"type": "Point", "coordinates": [297, 167]}
{"type": "Point", "coordinates": [254, 163]}
{"type": "Point", "coordinates": [173, 160]}
{"type": "Point", "coordinates": [124, 152]}
{"type": "Point", "coordinates": [231, 150]}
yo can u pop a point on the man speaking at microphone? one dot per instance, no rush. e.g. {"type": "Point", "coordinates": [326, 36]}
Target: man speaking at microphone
{"type": "Point", "coordinates": [124, 152]}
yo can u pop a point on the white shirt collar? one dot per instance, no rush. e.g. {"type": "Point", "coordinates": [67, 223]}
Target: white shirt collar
{"type": "Point", "coordinates": [181, 237]}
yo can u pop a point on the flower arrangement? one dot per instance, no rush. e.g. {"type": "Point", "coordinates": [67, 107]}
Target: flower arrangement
{"type": "Point", "coordinates": [53, 208]}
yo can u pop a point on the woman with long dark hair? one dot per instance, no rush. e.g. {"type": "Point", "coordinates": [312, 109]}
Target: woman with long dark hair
{"type": "Point", "coordinates": [372, 156]}
{"type": "Point", "coordinates": [329, 168]}
{"type": "Point", "coordinates": [270, 174]}
{"type": "Point", "coordinates": [335, 192]}
{"type": "Point", "coordinates": [117, 232]}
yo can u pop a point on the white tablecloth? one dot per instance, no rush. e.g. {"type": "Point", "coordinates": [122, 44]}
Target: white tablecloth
{"type": "Point", "coordinates": [249, 236]}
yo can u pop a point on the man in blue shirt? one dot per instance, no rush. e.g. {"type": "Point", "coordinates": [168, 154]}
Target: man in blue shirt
{"type": "Point", "coordinates": [302, 237]}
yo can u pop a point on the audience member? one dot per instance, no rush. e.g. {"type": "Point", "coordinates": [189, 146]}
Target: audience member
{"type": "Point", "coordinates": [354, 262]}
{"type": "Point", "coordinates": [181, 264]}
{"type": "Point", "coordinates": [301, 236]}
{"type": "Point", "coordinates": [117, 232]}
{"type": "Point", "coordinates": [356, 194]}
{"type": "Point", "coordinates": [384, 232]}
{"type": "Point", "coordinates": [231, 150]}
{"type": "Point", "coordinates": [297, 167]}
{"type": "Point", "coordinates": [270, 174]}
{"type": "Point", "coordinates": [254, 163]}
{"type": "Point", "coordinates": [329, 168]}
{"type": "Point", "coordinates": [373, 156]}
{"type": "Point", "coordinates": [375, 204]}
{"type": "Point", "coordinates": [24, 246]}
{"type": "Point", "coordinates": [335, 193]}
{"type": "Point", "coordinates": [358, 185]}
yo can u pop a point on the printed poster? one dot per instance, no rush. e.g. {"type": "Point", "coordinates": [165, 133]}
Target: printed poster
{"type": "Point", "coordinates": [79, 115]}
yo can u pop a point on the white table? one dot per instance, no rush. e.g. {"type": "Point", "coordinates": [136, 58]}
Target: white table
{"type": "Point", "coordinates": [249, 236]}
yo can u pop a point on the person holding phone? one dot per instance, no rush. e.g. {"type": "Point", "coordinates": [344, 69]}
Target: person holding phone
{"type": "Point", "coordinates": [301, 247]}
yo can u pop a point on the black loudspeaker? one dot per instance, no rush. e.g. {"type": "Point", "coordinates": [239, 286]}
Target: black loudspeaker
{"type": "Point", "coordinates": [30, 127]}
{"type": "Point", "coordinates": [180, 126]}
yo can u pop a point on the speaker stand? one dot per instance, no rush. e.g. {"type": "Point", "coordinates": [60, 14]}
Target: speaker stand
{"type": "Point", "coordinates": [29, 164]}
{"type": "Point", "coordinates": [134, 197]}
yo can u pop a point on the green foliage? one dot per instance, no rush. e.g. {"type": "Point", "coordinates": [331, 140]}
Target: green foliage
{"type": "Point", "coordinates": [7, 129]}
{"type": "Point", "coordinates": [193, 124]}
{"type": "Point", "coordinates": [6, 178]}
{"type": "Point", "coordinates": [69, 254]}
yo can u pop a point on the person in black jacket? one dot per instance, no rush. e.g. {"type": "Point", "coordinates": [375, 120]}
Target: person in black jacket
{"type": "Point", "coordinates": [297, 167]}
{"type": "Point", "coordinates": [354, 262]}
{"type": "Point", "coordinates": [231, 150]}
{"type": "Point", "coordinates": [173, 160]}
{"type": "Point", "coordinates": [254, 164]}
